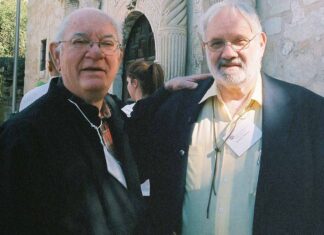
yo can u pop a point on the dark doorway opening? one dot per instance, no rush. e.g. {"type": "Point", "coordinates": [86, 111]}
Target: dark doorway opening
{"type": "Point", "coordinates": [140, 46]}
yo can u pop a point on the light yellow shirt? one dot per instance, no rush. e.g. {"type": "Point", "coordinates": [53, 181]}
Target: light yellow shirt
{"type": "Point", "coordinates": [232, 209]}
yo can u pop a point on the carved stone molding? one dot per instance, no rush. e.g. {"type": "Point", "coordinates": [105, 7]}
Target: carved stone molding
{"type": "Point", "coordinates": [171, 51]}
{"type": "Point", "coordinates": [131, 5]}
{"type": "Point", "coordinates": [172, 38]}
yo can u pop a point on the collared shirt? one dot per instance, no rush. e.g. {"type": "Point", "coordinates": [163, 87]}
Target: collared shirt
{"type": "Point", "coordinates": [232, 209]}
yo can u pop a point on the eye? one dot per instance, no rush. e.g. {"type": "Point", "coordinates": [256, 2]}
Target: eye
{"type": "Point", "coordinates": [79, 41]}
{"type": "Point", "coordinates": [216, 44]}
{"type": "Point", "coordinates": [107, 43]}
{"type": "Point", "coordinates": [241, 42]}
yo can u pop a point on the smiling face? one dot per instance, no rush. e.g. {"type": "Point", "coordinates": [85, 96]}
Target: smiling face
{"type": "Point", "coordinates": [87, 73]}
{"type": "Point", "coordinates": [232, 68]}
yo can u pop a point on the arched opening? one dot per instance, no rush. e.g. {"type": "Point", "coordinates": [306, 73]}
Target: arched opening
{"type": "Point", "coordinates": [140, 45]}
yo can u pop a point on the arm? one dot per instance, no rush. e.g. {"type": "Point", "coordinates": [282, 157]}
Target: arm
{"type": "Point", "coordinates": [140, 122]}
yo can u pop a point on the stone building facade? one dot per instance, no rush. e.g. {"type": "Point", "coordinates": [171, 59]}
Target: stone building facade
{"type": "Point", "coordinates": [165, 31]}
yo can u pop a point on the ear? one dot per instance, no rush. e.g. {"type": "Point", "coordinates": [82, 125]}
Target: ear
{"type": "Point", "coordinates": [121, 55]}
{"type": "Point", "coordinates": [263, 41]}
{"type": "Point", "coordinates": [134, 83]}
{"type": "Point", "coordinates": [55, 52]}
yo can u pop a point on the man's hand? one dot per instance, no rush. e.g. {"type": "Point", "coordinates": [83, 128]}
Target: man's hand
{"type": "Point", "coordinates": [187, 82]}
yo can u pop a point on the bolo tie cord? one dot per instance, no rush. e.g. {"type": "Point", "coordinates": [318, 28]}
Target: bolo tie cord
{"type": "Point", "coordinates": [218, 150]}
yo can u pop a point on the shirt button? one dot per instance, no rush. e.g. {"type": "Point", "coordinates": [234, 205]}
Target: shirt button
{"type": "Point", "coordinates": [181, 152]}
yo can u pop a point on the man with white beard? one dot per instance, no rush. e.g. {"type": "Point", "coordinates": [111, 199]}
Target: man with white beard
{"type": "Point", "coordinates": [243, 152]}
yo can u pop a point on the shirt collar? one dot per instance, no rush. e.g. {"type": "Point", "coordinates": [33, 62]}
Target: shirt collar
{"type": "Point", "coordinates": [92, 112]}
{"type": "Point", "coordinates": [256, 95]}
{"type": "Point", "coordinates": [105, 111]}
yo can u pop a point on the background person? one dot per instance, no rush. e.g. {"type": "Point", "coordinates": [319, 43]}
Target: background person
{"type": "Point", "coordinates": [243, 152]}
{"type": "Point", "coordinates": [142, 80]}
{"type": "Point", "coordinates": [39, 91]}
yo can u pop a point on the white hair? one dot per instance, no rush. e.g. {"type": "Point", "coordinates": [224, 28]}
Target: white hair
{"type": "Point", "coordinates": [66, 21]}
{"type": "Point", "coordinates": [245, 9]}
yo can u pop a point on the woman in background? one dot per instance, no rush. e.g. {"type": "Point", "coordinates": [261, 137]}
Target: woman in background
{"type": "Point", "coordinates": [143, 79]}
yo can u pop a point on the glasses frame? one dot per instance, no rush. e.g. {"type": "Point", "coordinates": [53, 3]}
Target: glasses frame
{"type": "Point", "coordinates": [228, 43]}
{"type": "Point", "coordinates": [90, 44]}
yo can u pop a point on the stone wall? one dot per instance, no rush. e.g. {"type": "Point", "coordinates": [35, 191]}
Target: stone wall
{"type": "Point", "coordinates": [39, 27]}
{"type": "Point", "coordinates": [294, 27]}
{"type": "Point", "coordinates": [295, 30]}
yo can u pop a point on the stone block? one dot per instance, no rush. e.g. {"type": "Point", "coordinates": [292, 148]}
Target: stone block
{"type": "Point", "coordinates": [307, 2]}
{"type": "Point", "coordinates": [272, 25]}
{"type": "Point", "coordinates": [278, 6]}
{"type": "Point", "coordinates": [309, 27]}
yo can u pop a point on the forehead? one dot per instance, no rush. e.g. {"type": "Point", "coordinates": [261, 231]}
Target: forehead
{"type": "Point", "coordinates": [92, 24]}
{"type": "Point", "coordinates": [228, 22]}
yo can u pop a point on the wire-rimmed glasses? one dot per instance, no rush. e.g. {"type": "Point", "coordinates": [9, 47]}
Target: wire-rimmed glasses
{"type": "Point", "coordinates": [108, 45]}
{"type": "Point", "coordinates": [217, 45]}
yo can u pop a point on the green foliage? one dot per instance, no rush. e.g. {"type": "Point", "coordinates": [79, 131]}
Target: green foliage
{"type": "Point", "coordinates": [7, 44]}
{"type": "Point", "coordinates": [8, 25]}
{"type": "Point", "coordinates": [6, 73]}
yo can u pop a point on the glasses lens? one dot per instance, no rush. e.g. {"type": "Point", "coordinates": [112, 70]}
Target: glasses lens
{"type": "Point", "coordinates": [79, 42]}
{"type": "Point", "coordinates": [108, 46]}
{"type": "Point", "coordinates": [215, 45]}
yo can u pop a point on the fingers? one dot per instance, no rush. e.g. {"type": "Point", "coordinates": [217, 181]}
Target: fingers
{"type": "Point", "coordinates": [187, 82]}
{"type": "Point", "coordinates": [190, 85]}
{"type": "Point", "coordinates": [197, 77]}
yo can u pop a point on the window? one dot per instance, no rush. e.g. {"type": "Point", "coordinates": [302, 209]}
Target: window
{"type": "Point", "coordinates": [43, 55]}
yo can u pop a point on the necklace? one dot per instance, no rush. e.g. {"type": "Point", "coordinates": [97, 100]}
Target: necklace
{"type": "Point", "coordinates": [97, 128]}
{"type": "Point", "coordinates": [218, 148]}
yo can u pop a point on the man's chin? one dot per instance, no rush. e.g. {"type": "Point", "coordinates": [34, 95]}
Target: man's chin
{"type": "Point", "coordinates": [230, 79]}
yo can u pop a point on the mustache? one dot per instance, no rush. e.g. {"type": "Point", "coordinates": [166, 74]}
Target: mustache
{"type": "Point", "coordinates": [230, 62]}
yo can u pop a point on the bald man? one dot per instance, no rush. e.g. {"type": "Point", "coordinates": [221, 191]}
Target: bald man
{"type": "Point", "coordinates": [65, 163]}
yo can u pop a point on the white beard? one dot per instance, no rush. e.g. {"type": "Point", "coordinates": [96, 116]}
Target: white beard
{"type": "Point", "coordinates": [238, 77]}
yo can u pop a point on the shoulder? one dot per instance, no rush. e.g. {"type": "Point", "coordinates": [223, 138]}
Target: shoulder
{"type": "Point", "coordinates": [294, 91]}
{"type": "Point", "coordinates": [33, 95]}
{"type": "Point", "coordinates": [114, 100]}
{"type": "Point", "coordinates": [190, 96]}
{"type": "Point", "coordinates": [298, 98]}
{"type": "Point", "coordinates": [17, 131]}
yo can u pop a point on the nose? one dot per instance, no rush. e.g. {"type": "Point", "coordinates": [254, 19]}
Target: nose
{"type": "Point", "coordinates": [228, 51]}
{"type": "Point", "coordinates": [94, 51]}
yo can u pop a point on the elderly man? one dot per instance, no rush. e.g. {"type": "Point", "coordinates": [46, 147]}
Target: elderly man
{"type": "Point", "coordinates": [241, 154]}
{"type": "Point", "coordinates": [65, 163]}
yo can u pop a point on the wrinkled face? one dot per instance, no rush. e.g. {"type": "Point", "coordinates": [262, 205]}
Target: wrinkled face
{"type": "Point", "coordinates": [232, 68]}
{"type": "Point", "coordinates": [87, 71]}
{"type": "Point", "coordinates": [131, 88]}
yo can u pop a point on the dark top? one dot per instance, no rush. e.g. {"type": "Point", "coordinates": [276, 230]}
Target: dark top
{"type": "Point", "coordinates": [53, 174]}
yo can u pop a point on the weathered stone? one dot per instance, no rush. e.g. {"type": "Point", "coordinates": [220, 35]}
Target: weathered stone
{"type": "Point", "coordinates": [278, 6]}
{"type": "Point", "coordinates": [272, 25]}
{"type": "Point", "coordinates": [295, 30]}
{"type": "Point", "coordinates": [287, 47]}
{"type": "Point", "coordinates": [306, 2]}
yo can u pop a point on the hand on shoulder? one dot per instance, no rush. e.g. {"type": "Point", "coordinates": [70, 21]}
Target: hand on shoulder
{"type": "Point", "coordinates": [185, 82]}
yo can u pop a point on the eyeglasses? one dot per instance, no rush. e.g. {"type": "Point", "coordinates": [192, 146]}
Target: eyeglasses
{"type": "Point", "coordinates": [107, 46]}
{"type": "Point", "coordinates": [217, 45]}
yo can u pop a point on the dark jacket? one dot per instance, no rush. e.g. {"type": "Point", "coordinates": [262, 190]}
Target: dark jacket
{"type": "Point", "coordinates": [53, 174]}
{"type": "Point", "coordinates": [290, 189]}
